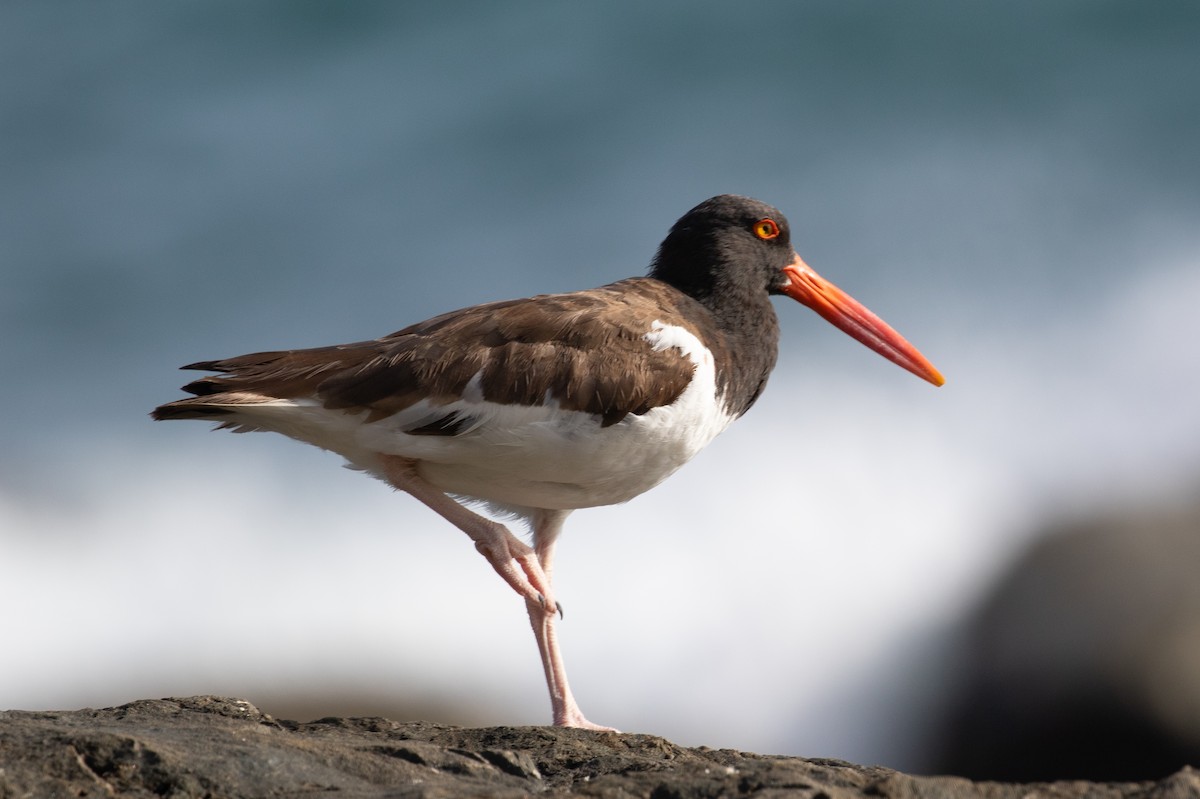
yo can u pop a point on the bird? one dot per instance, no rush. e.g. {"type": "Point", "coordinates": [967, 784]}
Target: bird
{"type": "Point", "coordinates": [533, 408]}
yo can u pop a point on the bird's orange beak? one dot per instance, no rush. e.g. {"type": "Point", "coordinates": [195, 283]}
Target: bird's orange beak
{"type": "Point", "coordinates": [850, 316]}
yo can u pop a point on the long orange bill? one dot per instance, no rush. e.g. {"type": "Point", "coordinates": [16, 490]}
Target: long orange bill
{"type": "Point", "coordinates": [850, 316]}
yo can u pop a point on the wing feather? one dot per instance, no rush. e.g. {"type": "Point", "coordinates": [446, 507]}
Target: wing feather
{"type": "Point", "coordinates": [586, 351]}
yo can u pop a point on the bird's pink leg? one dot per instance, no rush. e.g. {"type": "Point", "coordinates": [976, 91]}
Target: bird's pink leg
{"type": "Point", "coordinates": [513, 559]}
{"type": "Point", "coordinates": [526, 569]}
{"type": "Point", "coordinates": [547, 524]}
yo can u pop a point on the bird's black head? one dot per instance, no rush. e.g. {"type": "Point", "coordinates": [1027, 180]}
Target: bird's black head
{"type": "Point", "coordinates": [730, 252]}
{"type": "Point", "coordinates": [727, 245]}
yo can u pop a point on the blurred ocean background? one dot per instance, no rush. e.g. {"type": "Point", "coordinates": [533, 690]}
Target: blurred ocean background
{"type": "Point", "coordinates": [1015, 186]}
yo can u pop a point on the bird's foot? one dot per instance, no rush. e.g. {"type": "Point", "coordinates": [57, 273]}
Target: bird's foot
{"type": "Point", "coordinates": [546, 606]}
{"type": "Point", "coordinates": [517, 563]}
{"type": "Point", "coordinates": [584, 724]}
{"type": "Point", "coordinates": [575, 719]}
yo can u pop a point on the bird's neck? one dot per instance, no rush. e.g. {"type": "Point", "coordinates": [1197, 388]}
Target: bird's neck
{"type": "Point", "coordinates": [751, 331]}
{"type": "Point", "coordinates": [741, 330]}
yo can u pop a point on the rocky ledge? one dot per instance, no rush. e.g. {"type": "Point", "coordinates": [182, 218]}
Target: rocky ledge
{"type": "Point", "coordinates": [215, 747]}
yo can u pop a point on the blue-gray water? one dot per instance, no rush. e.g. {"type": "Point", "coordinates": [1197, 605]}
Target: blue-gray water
{"type": "Point", "coordinates": [1013, 185]}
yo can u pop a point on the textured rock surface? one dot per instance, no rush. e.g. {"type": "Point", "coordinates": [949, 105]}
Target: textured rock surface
{"type": "Point", "coordinates": [214, 747]}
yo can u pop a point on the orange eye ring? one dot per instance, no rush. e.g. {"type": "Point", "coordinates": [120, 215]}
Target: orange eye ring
{"type": "Point", "coordinates": [766, 229]}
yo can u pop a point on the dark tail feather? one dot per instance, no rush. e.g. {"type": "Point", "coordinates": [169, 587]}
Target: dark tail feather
{"type": "Point", "coordinates": [259, 376]}
{"type": "Point", "coordinates": [187, 409]}
{"type": "Point", "coordinates": [206, 366]}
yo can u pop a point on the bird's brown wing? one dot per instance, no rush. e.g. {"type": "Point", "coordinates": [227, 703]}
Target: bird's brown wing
{"type": "Point", "coordinates": [584, 351]}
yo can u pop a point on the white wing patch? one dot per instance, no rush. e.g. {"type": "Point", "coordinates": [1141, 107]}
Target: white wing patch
{"type": "Point", "coordinates": [698, 416]}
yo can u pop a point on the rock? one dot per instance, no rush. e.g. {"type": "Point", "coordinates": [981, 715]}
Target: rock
{"type": "Point", "coordinates": [214, 747]}
{"type": "Point", "coordinates": [1085, 660]}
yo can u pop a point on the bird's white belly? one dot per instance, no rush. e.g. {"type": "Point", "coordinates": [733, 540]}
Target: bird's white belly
{"type": "Point", "coordinates": [574, 463]}
{"type": "Point", "coordinates": [527, 456]}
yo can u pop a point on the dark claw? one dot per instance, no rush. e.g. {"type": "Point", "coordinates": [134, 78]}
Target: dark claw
{"type": "Point", "coordinates": [557, 605]}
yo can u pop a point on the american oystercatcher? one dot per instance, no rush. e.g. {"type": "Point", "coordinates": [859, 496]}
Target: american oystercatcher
{"type": "Point", "coordinates": [536, 407]}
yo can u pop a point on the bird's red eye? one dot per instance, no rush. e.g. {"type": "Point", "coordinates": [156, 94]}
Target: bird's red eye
{"type": "Point", "coordinates": [766, 229]}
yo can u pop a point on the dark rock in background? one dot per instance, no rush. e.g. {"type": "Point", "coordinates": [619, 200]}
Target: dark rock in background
{"type": "Point", "coordinates": [1085, 661]}
{"type": "Point", "coordinates": [208, 746]}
